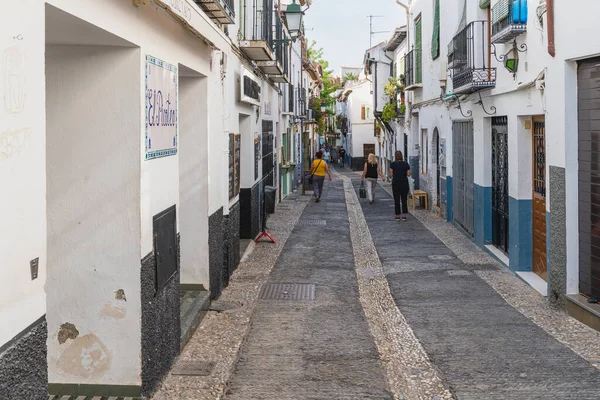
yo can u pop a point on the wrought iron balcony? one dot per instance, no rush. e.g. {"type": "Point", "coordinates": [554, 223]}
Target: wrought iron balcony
{"type": "Point", "coordinates": [257, 30]}
{"type": "Point", "coordinates": [413, 74]}
{"type": "Point", "coordinates": [509, 20]}
{"type": "Point", "coordinates": [468, 55]}
{"type": "Point", "coordinates": [278, 70]}
{"type": "Point", "coordinates": [221, 11]}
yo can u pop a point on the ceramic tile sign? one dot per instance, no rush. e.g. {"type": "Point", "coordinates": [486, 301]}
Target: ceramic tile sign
{"type": "Point", "coordinates": [161, 108]}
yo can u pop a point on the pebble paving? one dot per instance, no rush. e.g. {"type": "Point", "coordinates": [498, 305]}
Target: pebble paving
{"type": "Point", "coordinates": [484, 347]}
{"type": "Point", "coordinates": [313, 349]}
{"type": "Point", "coordinates": [402, 310]}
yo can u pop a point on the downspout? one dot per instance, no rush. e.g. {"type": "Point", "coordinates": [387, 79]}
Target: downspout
{"type": "Point", "coordinates": [489, 15]}
{"type": "Point", "coordinates": [550, 11]}
{"type": "Point", "coordinates": [407, 21]}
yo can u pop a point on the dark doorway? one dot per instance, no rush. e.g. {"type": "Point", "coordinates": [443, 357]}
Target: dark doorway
{"type": "Point", "coordinates": [500, 183]}
{"type": "Point", "coordinates": [438, 185]}
{"type": "Point", "coordinates": [463, 171]}
{"type": "Point", "coordinates": [540, 265]}
{"type": "Point", "coordinates": [589, 177]}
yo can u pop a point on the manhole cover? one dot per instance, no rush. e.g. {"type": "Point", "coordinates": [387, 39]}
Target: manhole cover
{"type": "Point", "coordinates": [312, 222]}
{"type": "Point", "coordinates": [193, 368]}
{"type": "Point", "coordinates": [288, 291]}
{"type": "Point", "coordinates": [441, 257]}
{"type": "Point", "coordinates": [458, 273]}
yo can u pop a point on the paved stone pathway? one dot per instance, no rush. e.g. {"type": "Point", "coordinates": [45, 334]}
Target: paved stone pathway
{"type": "Point", "coordinates": [484, 348]}
{"type": "Point", "coordinates": [403, 310]}
{"type": "Point", "coordinates": [313, 349]}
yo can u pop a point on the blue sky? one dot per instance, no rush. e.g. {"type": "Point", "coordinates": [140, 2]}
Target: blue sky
{"type": "Point", "coordinates": [341, 27]}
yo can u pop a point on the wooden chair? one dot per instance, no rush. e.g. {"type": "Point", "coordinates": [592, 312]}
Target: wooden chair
{"type": "Point", "coordinates": [420, 194]}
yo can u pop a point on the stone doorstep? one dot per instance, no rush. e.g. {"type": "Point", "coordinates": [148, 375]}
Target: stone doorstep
{"type": "Point", "coordinates": [581, 310]}
{"type": "Point", "coordinates": [194, 306]}
{"type": "Point", "coordinates": [533, 280]}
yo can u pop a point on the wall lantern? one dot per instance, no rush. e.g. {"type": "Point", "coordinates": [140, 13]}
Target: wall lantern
{"type": "Point", "coordinates": [323, 108]}
{"type": "Point", "coordinates": [293, 17]}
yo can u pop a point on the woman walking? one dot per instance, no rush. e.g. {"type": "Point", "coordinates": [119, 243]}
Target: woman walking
{"type": "Point", "coordinates": [370, 171]}
{"type": "Point", "coordinates": [318, 171]}
{"type": "Point", "coordinates": [400, 171]}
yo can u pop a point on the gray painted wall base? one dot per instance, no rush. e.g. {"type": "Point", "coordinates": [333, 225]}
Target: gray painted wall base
{"type": "Point", "coordinates": [161, 329]}
{"type": "Point", "coordinates": [23, 365]}
{"type": "Point", "coordinates": [556, 238]}
{"type": "Point", "coordinates": [215, 256]}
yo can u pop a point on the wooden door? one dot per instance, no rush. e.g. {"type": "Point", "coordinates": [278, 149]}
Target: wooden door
{"type": "Point", "coordinates": [539, 198]}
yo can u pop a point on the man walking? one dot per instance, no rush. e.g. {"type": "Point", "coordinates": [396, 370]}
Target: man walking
{"type": "Point", "coordinates": [342, 153]}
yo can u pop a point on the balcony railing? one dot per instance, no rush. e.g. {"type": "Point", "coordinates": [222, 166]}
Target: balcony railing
{"type": "Point", "coordinates": [257, 29]}
{"type": "Point", "coordinates": [468, 55]}
{"type": "Point", "coordinates": [413, 68]}
{"type": "Point", "coordinates": [409, 69]}
{"type": "Point", "coordinates": [509, 20]}
{"type": "Point", "coordinates": [302, 102]}
{"type": "Point", "coordinates": [291, 99]}
{"type": "Point", "coordinates": [221, 11]}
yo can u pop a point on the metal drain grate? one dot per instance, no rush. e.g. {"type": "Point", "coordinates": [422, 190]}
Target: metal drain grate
{"type": "Point", "coordinates": [312, 222]}
{"type": "Point", "coordinates": [441, 257]}
{"type": "Point", "coordinates": [288, 291]}
{"type": "Point", "coordinates": [193, 368]}
{"type": "Point", "coordinates": [458, 273]}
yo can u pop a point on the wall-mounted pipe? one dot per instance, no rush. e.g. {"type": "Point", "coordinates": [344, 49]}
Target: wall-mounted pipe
{"type": "Point", "coordinates": [407, 8]}
{"type": "Point", "coordinates": [550, 23]}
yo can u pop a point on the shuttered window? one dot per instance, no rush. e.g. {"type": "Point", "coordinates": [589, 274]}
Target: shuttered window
{"type": "Point", "coordinates": [418, 51]}
{"type": "Point", "coordinates": [435, 41]}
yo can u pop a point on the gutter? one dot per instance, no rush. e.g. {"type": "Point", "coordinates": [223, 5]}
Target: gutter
{"type": "Point", "coordinates": [406, 7]}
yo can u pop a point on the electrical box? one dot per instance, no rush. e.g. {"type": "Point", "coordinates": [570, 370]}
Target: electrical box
{"type": "Point", "coordinates": [165, 246]}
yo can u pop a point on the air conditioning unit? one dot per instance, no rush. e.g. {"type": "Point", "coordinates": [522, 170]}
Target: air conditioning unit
{"type": "Point", "coordinates": [410, 96]}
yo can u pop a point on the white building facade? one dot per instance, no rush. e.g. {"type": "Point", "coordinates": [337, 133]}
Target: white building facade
{"type": "Point", "coordinates": [501, 111]}
{"type": "Point", "coordinates": [136, 142]}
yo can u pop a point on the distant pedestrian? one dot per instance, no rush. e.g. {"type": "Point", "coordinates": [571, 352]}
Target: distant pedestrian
{"type": "Point", "coordinates": [400, 171]}
{"type": "Point", "coordinates": [370, 172]}
{"type": "Point", "coordinates": [342, 156]}
{"type": "Point", "coordinates": [327, 156]}
{"type": "Point", "coordinates": [318, 170]}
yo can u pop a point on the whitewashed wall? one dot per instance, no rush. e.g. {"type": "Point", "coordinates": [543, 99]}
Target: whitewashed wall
{"type": "Point", "coordinates": [93, 210]}
{"type": "Point", "coordinates": [22, 166]}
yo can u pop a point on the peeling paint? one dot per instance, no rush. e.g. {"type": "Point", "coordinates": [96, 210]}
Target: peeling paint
{"type": "Point", "coordinates": [67, 331]}
{"type": "Point", "coordinates": [86, 357]}
{"type": "Point", "coordinates": [120, 295]}
{"type": "Point", "coordinates": [113, 311]}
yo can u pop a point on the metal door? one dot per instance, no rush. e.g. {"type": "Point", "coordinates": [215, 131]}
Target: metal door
{"type": "Point", "coordinates": [589, 176]}
{"type": "Point", "coordinates": [500, 183]}
{"type": "Point", "coordinates": [539, 198]}
{"type": "Point", "coordinates": [463, 169]}
{"type": "Point", "coordinates": [436, 146]}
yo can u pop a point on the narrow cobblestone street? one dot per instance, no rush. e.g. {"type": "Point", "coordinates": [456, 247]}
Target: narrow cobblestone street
{"type": "Point", "coordinates": [408, 310]}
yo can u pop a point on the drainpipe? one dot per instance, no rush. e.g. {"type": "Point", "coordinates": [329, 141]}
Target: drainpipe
{"type": "Point", "coordinates": [406, 7]}
{"type": "Point", "coordinates": [489, 26]}
{"type": "Point", "coordinates": [550, 11]}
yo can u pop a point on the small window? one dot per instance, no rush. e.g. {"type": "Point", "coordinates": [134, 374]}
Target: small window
{"type": "Point", "coordinates": [363, 112]}
{"type": "Point", "coordinates": [424, 152]}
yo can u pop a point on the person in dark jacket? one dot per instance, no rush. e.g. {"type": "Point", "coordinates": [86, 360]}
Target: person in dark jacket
{"type": "Point", "coordinates": [400, 172]}
{"type": "Point", "coordinates": [370, 172]}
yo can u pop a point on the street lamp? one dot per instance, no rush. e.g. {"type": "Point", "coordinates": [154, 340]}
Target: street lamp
{"type": "Point", "coordinates": [323, 108]}
{"type": "Point", "coordinates": [293, 17]}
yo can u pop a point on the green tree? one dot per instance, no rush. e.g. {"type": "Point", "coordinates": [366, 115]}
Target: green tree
{"type": "Point", "coordinates": [350, 76]}
{"type": "Point", "coordinates": [315, 54]}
